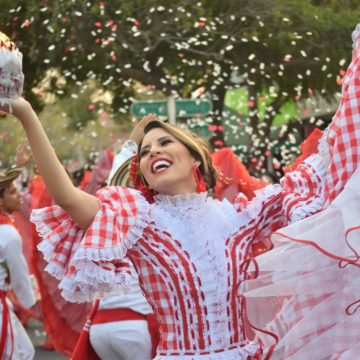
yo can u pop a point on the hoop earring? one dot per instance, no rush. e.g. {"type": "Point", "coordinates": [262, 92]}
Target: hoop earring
{"type": "Point", "coordinates": [199, 179]}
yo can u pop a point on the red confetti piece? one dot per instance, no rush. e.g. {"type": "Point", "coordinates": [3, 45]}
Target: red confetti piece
{"type": "Point", "coordinates": [26, 23]}
{"type": "Point", "coordinates": [216, 128]}
{"type": "Point", "coordinates": [342, 72]}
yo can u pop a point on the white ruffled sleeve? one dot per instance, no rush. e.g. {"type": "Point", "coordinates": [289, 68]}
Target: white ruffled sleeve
{"type": "Point", "coordinates": [92, 263]}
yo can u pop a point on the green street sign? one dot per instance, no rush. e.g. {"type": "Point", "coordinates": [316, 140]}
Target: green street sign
{"type": "Point", "coordinates": [184, 108]}
{"type": "Point", "coordinates": [142, 108]}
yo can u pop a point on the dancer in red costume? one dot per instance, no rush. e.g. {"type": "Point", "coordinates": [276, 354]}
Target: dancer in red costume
{"type": "Point", "coordinates": [233, 177]}
{"type": "Point", "coordinates": [191, 251]}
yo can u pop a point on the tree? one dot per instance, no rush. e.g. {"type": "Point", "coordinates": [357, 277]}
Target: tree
{"type": "Point", "coordinates": [281, 49]}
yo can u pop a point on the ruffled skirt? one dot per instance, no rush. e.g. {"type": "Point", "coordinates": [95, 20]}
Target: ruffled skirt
{"type": "Point", "coordinates": [305, 300]}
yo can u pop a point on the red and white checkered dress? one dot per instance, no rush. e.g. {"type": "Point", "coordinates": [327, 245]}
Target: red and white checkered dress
{"type": "Point", "coordinates": [189, 251]}
{"type": "Point", "coordinates": [192, 253]}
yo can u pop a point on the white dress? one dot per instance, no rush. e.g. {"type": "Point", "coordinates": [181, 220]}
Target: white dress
{"type": "Point", "coordinates": [15, 266]}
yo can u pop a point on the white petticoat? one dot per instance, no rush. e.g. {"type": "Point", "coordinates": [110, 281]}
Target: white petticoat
{"type": "Point", "coordinates": [307, 293]}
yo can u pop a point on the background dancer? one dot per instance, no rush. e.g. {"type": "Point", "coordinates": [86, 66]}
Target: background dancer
{"type": "Point", "coordinates": [14, 274]}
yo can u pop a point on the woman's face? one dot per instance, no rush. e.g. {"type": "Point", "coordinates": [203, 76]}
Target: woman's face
{"type": "Point", "coordinates": [166, 164]}
{"type": "Point", "coordinates": [11, 200]}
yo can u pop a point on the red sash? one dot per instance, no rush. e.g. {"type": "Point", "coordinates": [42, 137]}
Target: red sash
{"type": "Point", "coordinates": [83, 348]}
{"type": "Point", "coordinates": [6, 321]}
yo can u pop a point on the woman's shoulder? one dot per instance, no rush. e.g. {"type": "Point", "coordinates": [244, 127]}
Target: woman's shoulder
{"type": "Point", "coordinates": [122, 198]}
{"type": "Point", "coordinates": [119, 193]}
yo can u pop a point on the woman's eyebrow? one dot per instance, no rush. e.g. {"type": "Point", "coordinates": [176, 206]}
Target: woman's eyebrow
{"type": "Point", "coordinates": [158, 140]}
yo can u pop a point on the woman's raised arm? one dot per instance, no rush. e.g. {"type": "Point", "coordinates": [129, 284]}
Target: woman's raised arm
{"type": "Point", "coordinates": [80, 206]}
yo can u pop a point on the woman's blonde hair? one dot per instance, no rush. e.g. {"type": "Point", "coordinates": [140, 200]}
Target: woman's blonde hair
{"type": "Point", "coordinates": [197, 146]}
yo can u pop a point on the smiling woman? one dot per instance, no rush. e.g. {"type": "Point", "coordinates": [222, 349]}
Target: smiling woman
{"type": "Point", "coordinates": [174, 161]}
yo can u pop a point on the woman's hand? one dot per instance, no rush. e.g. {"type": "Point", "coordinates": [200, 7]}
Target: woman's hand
{"type": "Point", "coordinates": [138, 131]}
{"type": "Point", "coordinates": [19, 108]}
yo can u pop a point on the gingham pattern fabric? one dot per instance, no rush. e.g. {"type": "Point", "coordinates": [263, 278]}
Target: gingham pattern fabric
{"type": "Point", "coordinates": [68, 248]}
{"type": "Point", "coordinates": [344, 131]}
{"type": "Point", "coordinates": [175, 273]}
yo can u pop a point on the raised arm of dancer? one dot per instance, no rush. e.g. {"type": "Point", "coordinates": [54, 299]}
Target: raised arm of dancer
{"type": "Point", "coordinates": [80, 206]}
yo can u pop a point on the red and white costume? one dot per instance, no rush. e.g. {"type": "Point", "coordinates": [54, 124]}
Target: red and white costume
{"type": "Point", "coordinates": [188, 251]}
{"type": "Point", "coordinates": [14, 275]}
{"type": "Point", "coordinates": [191, 251]}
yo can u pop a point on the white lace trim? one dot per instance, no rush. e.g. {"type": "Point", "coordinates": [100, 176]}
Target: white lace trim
{"type": "Point", "coordinates": [254, 207]}
{"type": "Point", "coordinates": [92, 282]}
{"type": "Point", "coordinates": [202, 224]}
{"type": "Point", "coordinates": [316, 167]}
{"type": "Point", "coordinates": [323, 147]}
{"type": "Point", "coordinates": [240, 353]}
{"type": "Point", "coordinates": [117, 252]}
{"type": "Point", "coordinates": [89, 280]}
{"type": "Point", "coordinates": [192, 200]}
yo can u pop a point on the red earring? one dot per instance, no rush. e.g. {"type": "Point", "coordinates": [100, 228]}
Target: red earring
{"type": "Point", "coordinates": [138, 182]}
{"type": "Point", "coordinates": [199, 179]}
